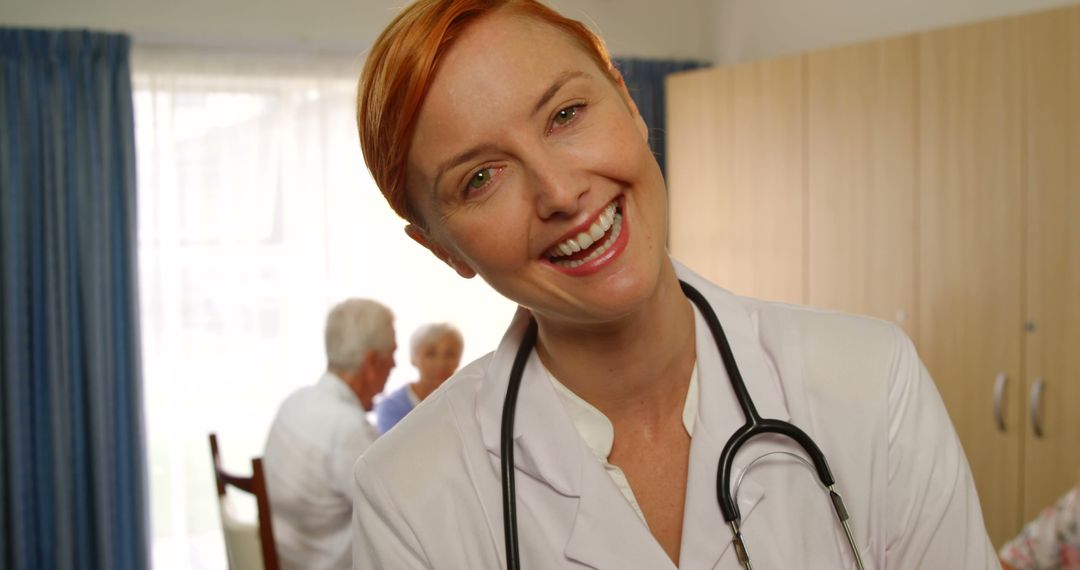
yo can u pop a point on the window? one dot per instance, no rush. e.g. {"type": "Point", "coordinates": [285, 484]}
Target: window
{"type": "Point", "coordinates": [256, 214]}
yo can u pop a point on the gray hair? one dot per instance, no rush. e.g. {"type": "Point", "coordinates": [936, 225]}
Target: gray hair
{"type": "Point", "coordinates": [355, 327]}
{"type": "Point", "coordinates": [430, 333]}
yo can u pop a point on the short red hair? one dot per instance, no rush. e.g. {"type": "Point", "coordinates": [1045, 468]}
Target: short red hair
{"type": "Point", "coordinates": [400, 68]}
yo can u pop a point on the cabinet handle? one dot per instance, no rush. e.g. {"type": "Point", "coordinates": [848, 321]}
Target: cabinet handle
{"type": "Point", "coordinates": [1035, 407]}
{"type": "Point", "coordinates": [1000, 382]}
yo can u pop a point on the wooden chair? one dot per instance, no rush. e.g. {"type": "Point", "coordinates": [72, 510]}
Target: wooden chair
{"type": "Point", "coordinates": [249, 547]}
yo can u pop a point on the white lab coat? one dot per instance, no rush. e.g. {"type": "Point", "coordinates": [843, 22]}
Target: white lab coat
{"type": "Point", "coordinates": [430, 495]}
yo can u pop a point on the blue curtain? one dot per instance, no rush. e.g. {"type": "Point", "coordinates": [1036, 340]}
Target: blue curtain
{"type": "Point", "coordinates": [72, 465]}
{"type": "Point", "coordinates": [645, 81]}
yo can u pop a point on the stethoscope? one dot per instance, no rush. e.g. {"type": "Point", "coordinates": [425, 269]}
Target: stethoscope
{"type": "Point", "coordinates": [754, 426]}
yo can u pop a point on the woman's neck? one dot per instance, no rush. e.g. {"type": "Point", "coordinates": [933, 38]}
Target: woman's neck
{"type": "Point", "coordinates": [638, 366]}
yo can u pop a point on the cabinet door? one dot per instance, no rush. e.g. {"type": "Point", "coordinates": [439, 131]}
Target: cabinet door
{"type": "Point", "coordinates": [735, 171]}
{"type": "Point", "coordinates": [861, 171]}
{"type": "Point", "coordinates": [700, 175]}
{"type": "Point", "coordinates": [970, 247]}
{"type": "Point", "coordinates": [1052, 459]}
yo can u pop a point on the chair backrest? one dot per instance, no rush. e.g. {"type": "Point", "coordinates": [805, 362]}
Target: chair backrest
{"type": "Point", "coordinates": [249, 547]}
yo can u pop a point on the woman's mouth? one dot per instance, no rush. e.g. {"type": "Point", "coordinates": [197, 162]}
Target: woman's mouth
{"type": "Point", "coordinates": [590, 244]}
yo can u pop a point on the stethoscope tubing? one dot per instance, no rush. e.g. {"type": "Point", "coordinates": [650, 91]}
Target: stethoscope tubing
{"type": "Point", "coordinates": [755, 425]}
{"type": "Point", "coordinates": [506, 445]}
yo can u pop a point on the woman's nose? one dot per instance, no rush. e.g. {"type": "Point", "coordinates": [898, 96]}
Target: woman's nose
{"type": "Point", "coordinates": [558, 189]}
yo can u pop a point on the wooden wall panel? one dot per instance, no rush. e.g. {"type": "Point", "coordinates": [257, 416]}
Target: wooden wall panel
{"type": "Point", "coordinates": [736, 176]}
{"type": "Point", "coordinates": [861, 169]}
{"type": "Point", "coordinates": [1053, 254]}
{"type": "Point", "coordinates": [700, 171]}
{"type": "Point", "coordinates": [936, 177]}
{"type": "Point", "coordinates": [970, 246]}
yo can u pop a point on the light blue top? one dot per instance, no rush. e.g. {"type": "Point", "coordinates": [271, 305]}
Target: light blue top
{"type": "Point", "coordinates": [392, 407]}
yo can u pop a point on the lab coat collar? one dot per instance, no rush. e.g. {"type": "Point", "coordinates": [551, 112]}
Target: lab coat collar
{"type": "Point", "coordinates": [705, 537]}
{"type": "Point", "coordinates": [548, 447]}
{"type": "Point", "coordinates": [741, 327]}
{"type": "Point", "coordinates": [607, 532]}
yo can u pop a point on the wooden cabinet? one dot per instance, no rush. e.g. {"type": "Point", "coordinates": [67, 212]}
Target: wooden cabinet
{"type": "Point", "coordinates": [699, 109]}
{"type": "Point", "coordinates": [861, 180]}
{"type": "Point", "coordinates": [970, 244]}
{"type": "Point", "coordinates": [932, 180]}
{"type": "Point", "coordinates": [1052, 347]}
{"type": "Point", "coordinates": [743, 148]}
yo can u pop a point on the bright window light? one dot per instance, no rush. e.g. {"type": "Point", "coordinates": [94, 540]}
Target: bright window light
{"type": "Point", "coordinates": [256, 214]}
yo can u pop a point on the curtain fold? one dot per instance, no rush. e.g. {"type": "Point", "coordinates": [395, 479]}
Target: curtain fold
{"type": "Point", "coordinates": [645, 81]}
{"type": "Point", "coordinates": [72, 465]}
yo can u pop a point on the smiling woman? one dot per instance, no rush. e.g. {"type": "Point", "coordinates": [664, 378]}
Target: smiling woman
{"type": "Point", "coordinates": [505, 137]}
{"type": "Point", "coordinates": [535, 150]}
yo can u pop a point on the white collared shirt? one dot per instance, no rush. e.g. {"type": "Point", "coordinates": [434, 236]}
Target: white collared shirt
{"type": "Point", "coordinates": [315, 439]}
{"type": "Point", "coordinates": [599, 435]}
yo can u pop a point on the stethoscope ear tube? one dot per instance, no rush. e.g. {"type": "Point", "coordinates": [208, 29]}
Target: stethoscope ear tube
{"type": "Point", "coordinates": [506, 444]}
{"type": "Point", "coordinates": [754, 425]}
{"type": "Point", "coordinates": [728, 506]}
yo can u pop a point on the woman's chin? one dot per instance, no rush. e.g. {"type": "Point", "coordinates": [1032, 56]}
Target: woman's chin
{"type": "Point", "coordinates": [613, 299]}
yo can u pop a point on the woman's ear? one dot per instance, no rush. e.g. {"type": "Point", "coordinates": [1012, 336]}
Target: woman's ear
{"type": "Point", "coordinates": [420, 236]}
{"type": "Point", "coordinates": [620, 85]}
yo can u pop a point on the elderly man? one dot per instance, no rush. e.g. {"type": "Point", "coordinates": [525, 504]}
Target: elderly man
{"type": "Point", "coordinates": [318, 434]}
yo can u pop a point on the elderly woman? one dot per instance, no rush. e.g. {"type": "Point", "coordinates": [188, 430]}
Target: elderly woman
{"type": "Point", "coordinates": [435, 351]}
{"type": "Point", "coordinates": [502, 133]}
{"type": "Point", "coordinates": [1049, 542]}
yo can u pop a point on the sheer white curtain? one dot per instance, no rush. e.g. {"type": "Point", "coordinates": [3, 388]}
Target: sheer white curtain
{"type": "Point", "coordinates": [256, 214]}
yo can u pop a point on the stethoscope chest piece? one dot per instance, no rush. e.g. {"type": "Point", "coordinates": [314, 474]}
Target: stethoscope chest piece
{"type": "Point", "coordinates": [755, 425]}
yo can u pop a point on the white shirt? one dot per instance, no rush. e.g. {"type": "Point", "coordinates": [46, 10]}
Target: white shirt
{"type": "Point", "coordinates": [315, 439]}
{"type": "Point", "coordinates": [429, 493]}
{"type": "Point", "coordinates": [598, 433]}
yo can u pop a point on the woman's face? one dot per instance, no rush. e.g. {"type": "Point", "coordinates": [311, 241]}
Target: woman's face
{"type": "Point", "coordinates": [522, 145]}
{"type": "Point", "coordinates": [438, 359]}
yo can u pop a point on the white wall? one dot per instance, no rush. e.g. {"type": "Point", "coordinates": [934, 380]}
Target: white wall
{"type": "Point", "coordinates": [756, 29]}
{"type": "Point", "coordinates": [722, 31]}
{"type": "Point", "coordinates": [644, 28]}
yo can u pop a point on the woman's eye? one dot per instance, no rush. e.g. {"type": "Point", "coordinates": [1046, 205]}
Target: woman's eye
{"type": "Point", "coordinates": [480, 179]}
{"type": "Point", "coordinates": [566, 115]}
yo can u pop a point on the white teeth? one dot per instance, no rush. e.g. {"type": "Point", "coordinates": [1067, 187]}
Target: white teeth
{"type": "Point", "coordinates": [595, 232]}
{"type": "Point", "coordinates": [616, 229]}
{"type": "Point", "coordinates": [606, 218]}
{"type": "Point", "coordinates": [585, 240]}
{"type": "Point", "coordinates": [588, 238]}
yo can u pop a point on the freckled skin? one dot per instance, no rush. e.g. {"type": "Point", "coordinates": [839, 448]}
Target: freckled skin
{"type": "Point", "coordinates": [549, 180]}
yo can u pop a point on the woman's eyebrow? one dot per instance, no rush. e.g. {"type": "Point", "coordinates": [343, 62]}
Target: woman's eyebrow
{"type": "Point", "coordinates": [470, 154]}
{"type": "Point", "coordinates": [466, 156]}
{"type": "Point", "coordinates": [560, 80]}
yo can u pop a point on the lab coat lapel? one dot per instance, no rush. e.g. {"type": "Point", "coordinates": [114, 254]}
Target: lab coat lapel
{"type": "Point", "coordinates": [706, 537]}
{"type": "Point", "coordinates": [607, 533]}
{"type": "Point", "coordinates": [742, 331]}
{"type": "Point", "coordinates": [546, 444]}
